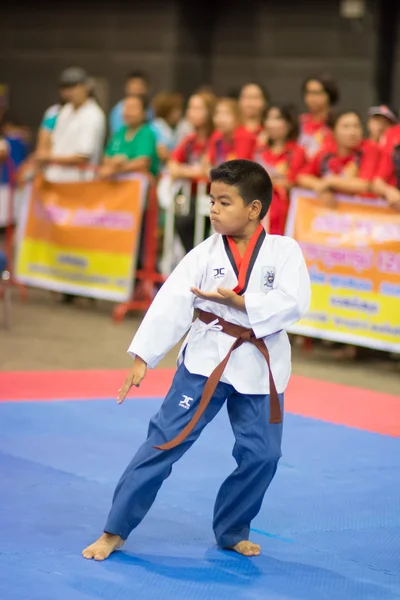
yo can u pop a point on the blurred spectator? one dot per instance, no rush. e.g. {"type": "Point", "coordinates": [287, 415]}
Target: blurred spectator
{"type": "Point", "coordinates": [186, 159]}
{"type": "Point", "coordinates": [205, 89]}
{"type": "Point", "coordinates": [168, 125]}
{"type": "Point", "coordinates": [387, 181]}
{"type": "Point", "coordinates": [49, 120]}
{"type": "Point", "coordinates": [133, 147]}
{"type": "Point", "coordinates": [78, 137]}
{"type": "Point", "coordinates": [320, 94]}
{"type": "Point", "coordinates": [253, 100]}
{"type": "Point", "coordinates": [14, 146]}
{"type": "Point", "coordinates": [13, 128]}
{"type": "Point", "coordinates": [347, 165]}
{"type": "Point", "coordinates": [137, 84]}
{"type": "Point", "coordinates": [380, 119]}
{"type": "Point", "coordinates": [230, 140]}
{"type": "Point", "coordinates": [283, 158]}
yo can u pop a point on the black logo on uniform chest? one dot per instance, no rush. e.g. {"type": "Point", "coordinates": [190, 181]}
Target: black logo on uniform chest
{"type": "Point", "coordinates": [219, 273]}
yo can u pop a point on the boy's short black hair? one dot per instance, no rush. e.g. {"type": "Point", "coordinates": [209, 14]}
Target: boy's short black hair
{"type": "Point", "coordinates": [251, 179]}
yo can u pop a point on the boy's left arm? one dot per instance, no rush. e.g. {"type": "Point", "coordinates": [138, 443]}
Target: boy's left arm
{"type": "Point", "coordinates": [278, 309]}
{"type": "Point", "coordinates": [287, 302]}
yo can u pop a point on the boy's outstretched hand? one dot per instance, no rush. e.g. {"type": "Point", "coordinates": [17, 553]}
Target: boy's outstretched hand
{"type": "Point", "coordinates": [222, 296]}
{"type": "Point", "coordinates": [135, 377]}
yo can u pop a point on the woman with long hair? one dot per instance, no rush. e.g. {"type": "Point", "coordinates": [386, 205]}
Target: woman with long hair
{"type": "Point", "coordinates": [320, 95]}
{"type": "Point", "coordinates": [253, 101]}
{"type": "Point", "coordinates": [187, 159]}
{"type": "Point", "coordinates": [230, 140]}
{"type": "Point", "coordinates": [282, 157]}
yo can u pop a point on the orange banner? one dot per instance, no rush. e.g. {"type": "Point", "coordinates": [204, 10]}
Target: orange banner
{"type": "Point", "coordinates": [82, 238]}
{"type": "Point", "coordinates": [353, 255]}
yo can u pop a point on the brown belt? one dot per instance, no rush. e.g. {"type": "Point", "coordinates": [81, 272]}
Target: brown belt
{"type": "Point", "coordinates": [241, 335]}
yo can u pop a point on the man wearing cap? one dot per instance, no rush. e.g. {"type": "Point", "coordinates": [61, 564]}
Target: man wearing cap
{"type": "Point", "coordinates": [380, 119]}
{"type": "Point", "coordinates": [78, 136]}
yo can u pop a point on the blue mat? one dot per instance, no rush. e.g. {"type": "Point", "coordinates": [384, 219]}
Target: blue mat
{"type": "Point", "coordinates": [329, 526]}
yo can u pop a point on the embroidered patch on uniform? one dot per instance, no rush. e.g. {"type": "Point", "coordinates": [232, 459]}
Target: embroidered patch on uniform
{"type": "Point", "coordinates": [268, 278]}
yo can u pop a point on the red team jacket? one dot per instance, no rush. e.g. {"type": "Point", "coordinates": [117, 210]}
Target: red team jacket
{"type": "Point", "coordinates": [362, 162]}
{"type": "Point", "coordinates": [287, 164]}
{"type": "Point", "coordinates": [242, 145]}
{"type": "Point", "coordinates": [389, 165]}
{"type": "Point", "coordinates": [313, 135]}
{"type": "Point", "coordinates": [190, 151]}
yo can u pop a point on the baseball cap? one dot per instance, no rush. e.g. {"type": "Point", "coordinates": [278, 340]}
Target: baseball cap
{"type": "Point", "coordinates": [73, 76]}
{"type": "Point", "coordinates": [383, 111]}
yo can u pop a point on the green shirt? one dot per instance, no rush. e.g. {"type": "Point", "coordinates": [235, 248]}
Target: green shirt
{"type": "Point", "coordinates": [142, 144]}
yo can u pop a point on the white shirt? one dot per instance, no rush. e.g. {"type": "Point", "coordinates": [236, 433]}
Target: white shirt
{"type": "Point", "coordinates": [78, 131]}
{"type": "Point", "coordinates": [277, 296]}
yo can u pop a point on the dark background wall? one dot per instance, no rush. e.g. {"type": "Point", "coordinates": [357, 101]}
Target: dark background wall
{"type": "Point", "coordinates": [276, 42]}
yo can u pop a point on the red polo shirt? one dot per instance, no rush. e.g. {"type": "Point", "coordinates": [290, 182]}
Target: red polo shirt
{"type": "Point", "coordinates": [362, 162]}
{"type": "Point", "coordinates": [287, 163]}
{"type": "Point", "coordinates": [389, 164]}
{"type": "Point", "coordinates": [241, 145]}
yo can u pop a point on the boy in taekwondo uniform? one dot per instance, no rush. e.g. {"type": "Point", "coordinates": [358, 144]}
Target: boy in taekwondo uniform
{"type": "Point", "coordinates": [248, 287]}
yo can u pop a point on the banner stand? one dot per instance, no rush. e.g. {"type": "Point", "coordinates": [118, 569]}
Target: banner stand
{"type": "Point", "coordinates": [9, 235]}
{"type": "Point", "coordinates": [147, 277]}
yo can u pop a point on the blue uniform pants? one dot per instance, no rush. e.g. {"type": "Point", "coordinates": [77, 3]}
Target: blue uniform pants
{"type": "Point", "coordinates": [257, 451]}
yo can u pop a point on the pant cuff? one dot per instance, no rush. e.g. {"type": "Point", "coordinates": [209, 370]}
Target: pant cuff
{"type": "Point", "coordinates": [227, 540]}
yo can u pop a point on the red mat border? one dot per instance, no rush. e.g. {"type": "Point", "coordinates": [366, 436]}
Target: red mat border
{"type": "Point", "coordinates": [332, 402]}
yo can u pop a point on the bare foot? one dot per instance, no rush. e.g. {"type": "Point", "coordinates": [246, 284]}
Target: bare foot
{"type": "Point", "coordinates": [103, 547]}
{"type": "Point", "coordinates": [247, 548]}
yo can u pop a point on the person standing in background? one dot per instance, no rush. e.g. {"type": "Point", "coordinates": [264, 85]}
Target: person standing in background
{"type": "Point", "coordinates": [186, 160]}
{"type": "Point", "coordinates": [133, 147]}
{"type": "Point", "coordinates": [14, 146]}
{"type": "Point", "coordinates": [387, 176]}
{"type": "Point", "coordinates": [348, 165]}
{"type": "Point", "coordinates": [168, 125]}
{"type": "Point", "coordinates": [78, 137]}
{"type": "Point", "coordinates": [49, 119]}
{"type": "Point", "coordinates": [282, 158]}
{"type": "Point", "coordinates": [380, 119]}
{"type": "Point", "coordinates": [230, 140]}
{"type": "Point", "coordinates": [253, 101]}
{"type": "Point", "coordinates": [137, 83]}
{"type": "Point", "coordinates": [320, 94]}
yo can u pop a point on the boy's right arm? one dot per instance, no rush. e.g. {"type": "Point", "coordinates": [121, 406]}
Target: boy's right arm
{"type": "Point", "coordinates": [135, 377]}
{"type": "Point", "coordinates": [165, 323]}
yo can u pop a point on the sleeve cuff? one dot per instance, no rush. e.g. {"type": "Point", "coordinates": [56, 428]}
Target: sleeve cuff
{"type": "Point", "coordinates": [150, 359]}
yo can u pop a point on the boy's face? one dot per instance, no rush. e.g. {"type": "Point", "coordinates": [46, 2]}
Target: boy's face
{"type": "Point", "coordinates": [228, 213]}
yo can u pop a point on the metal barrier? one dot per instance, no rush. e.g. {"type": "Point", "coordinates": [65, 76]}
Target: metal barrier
{"type": "Point", "coordinates": [175, 197]}
{"type": "Point", "coordinates": [148, 276]}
